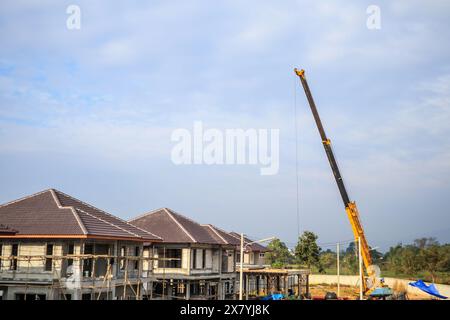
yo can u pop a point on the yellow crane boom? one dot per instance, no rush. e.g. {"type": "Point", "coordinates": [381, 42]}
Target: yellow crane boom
{"type": "Point", "coordinates": [350, 206]}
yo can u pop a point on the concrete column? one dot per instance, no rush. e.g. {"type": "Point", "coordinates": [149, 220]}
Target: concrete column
{"type": "Point", "coordinates": [189, 257]}
{"type": "Point", "coordinates": [247, 286]}
{"type": "Point", "coordinates": [285, 281]}
{"type": "Point", "coordinates": [257, 285]}
{"type": "Point", "coordinates": [307, 284]}
{"type": "Point", "coordinates": [220, 290]}
{"type": "Point", "coordinates": [188, 290]}
{"type": "Point", "coordinates": [220, 250]}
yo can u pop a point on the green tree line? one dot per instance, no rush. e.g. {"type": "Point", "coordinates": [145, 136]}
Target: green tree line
{"type": "Point", "coordinates": [425, 258]}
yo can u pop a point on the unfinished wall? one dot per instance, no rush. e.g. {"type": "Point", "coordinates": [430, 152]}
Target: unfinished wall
{"type": "Point", "coordinates": [31, 260]}
{"type": "Point", "coordinates": [185, 262]}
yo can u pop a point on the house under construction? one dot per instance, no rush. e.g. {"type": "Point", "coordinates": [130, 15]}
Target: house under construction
{"type": "Point", "coordinates": [56, 247]}
{"type": "Point", "coordinates": [203, 265]}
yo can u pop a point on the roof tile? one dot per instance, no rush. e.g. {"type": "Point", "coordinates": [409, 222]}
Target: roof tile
{"type": "Point", "coordinates": [52, 212]}
{"type": "Point", "coordinates": [175, 228]}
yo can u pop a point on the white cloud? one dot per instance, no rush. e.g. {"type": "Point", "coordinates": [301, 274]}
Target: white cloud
{"type": "Point", "coordinates": [118, 52]}
{"type": "Point", "coordinates": [412, 143]}
{"type": "Point", "coordinates": [113, 92]}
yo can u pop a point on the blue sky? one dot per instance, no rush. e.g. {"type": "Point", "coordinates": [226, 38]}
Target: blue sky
{"type": "Point", "coordinates": [91, 111]}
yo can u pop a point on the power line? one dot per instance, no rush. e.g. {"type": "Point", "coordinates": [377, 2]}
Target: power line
{"type": "Point", "coordinates": [329, 244]}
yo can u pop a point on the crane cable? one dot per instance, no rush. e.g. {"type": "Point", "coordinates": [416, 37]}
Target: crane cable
{"type": "Point", "coordinates": [296, 159]}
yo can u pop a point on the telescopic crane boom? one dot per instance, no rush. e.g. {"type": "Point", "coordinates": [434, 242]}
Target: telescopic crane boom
{"type": "Point", "coordinates": [350, 206]}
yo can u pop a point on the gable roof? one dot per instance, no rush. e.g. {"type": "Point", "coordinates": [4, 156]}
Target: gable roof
{"type": "Point", "coordinates": [226, 237]}
{"type": "Point", "coordinates": [256, 247]}
{"type": "Point", "coordinates": [176, 228]}
{"type": "Point", "coordinates": [53, 213]}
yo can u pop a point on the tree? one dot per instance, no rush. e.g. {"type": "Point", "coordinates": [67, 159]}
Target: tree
{"type": "Point", "coordinates": [445, 264]}
{"type": "Point", "coordinates": [423, 243]}
{"type": "Point", "coordinates": [425, 254]}
{"type": "Point", "coordinates": [279, 255]}
{"type": "Point", "coordinates": [307, 251]}
{"type": "Point", "coordinates": [350, 259]}
{"type": "Point", "coordinates": [404, 259]}
{"type": "Point", "coordinates": [433, 257]}
{"type": "Point", "coordinates": [392, 258]}
{"type": "Point", "coordinates": [376, 255]}
{"type": "Point", "coordinates": [327, 259]}
{"type": "Point", "coordinates": [351, 249]}
{"type": "Point", "coordinates": [410, 259]}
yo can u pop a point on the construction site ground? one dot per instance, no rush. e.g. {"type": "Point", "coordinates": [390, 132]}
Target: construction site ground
{"type": "Point", "coordinates": [349, 292]}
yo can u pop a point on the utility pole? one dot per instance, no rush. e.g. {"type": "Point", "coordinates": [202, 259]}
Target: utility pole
{"type": "Point", "coordinates": [241, 272]}
{"type": "Point", "coordinates": [241, 264]}
{"type": "Point", "coordinates": [338, 271]}
{"type": "Point", "coordinates": [361, 278]}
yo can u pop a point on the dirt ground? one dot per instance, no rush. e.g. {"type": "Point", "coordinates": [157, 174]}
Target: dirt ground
{"type": "Point", "coordinates": [349, 293]}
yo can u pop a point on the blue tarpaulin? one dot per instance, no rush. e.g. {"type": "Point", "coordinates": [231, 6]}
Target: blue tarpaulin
{"type": "Point", "coordinates": [275, 296]}
{"type": "Point", "coordinates": [431, 289]}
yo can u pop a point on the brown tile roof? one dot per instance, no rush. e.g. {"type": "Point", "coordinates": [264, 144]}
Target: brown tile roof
{"type": "Point", "coordinates": [54, 213]}
{"type": "Point", "coordinates": [176, 228]}
{"type": "Point", "coordinates": [225, 237]}
{"type": "Point", "coordinates": [256, 247]}
{"type": "Point", "coordinates": [5, 230]}
{"type": "Point", "coordinates": [97, 220]}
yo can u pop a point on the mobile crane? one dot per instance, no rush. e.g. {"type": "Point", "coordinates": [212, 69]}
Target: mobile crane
{"type": "Point", "coordinates": [373, 285]}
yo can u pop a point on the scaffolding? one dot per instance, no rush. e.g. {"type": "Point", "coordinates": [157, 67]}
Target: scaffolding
{"type": "Point", "coordinates": [262, 282]}
{"type": "Point", "coordinates": [59, 280]}
{"type": "Point", "coordinates": [106, 280]}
